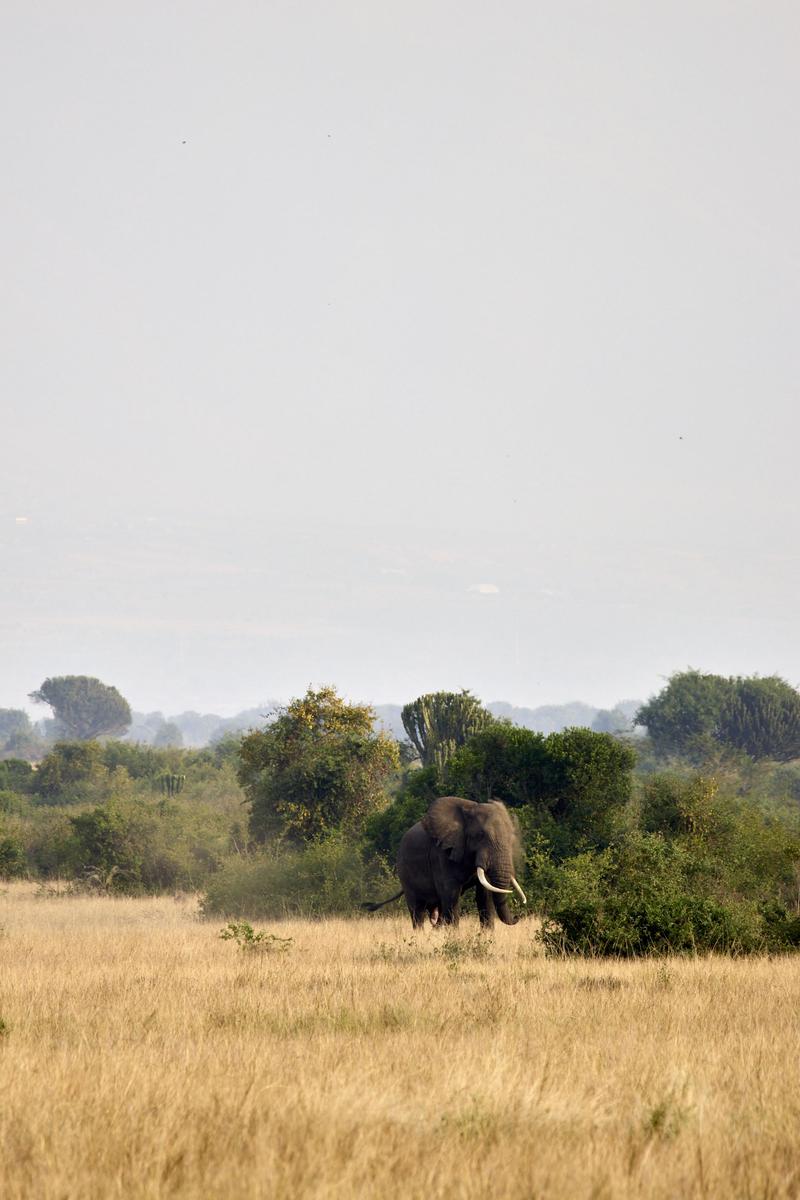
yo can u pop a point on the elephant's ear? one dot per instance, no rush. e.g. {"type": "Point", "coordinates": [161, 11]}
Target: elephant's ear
{"type": "Point", "coordinates": [444, 822]}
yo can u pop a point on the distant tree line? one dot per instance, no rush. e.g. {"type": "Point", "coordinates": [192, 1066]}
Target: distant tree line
{"type": "Point", "coordinates": [687, 838]}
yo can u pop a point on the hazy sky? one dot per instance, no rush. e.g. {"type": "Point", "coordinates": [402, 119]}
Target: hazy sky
{"type": "Point", "coordinates": [398, 345]}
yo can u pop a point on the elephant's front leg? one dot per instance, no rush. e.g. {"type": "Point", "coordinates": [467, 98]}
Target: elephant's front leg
{"type": "Point", "coordinates": [449, 908]}
{"type": "Point", "coordinates": [485, 907]}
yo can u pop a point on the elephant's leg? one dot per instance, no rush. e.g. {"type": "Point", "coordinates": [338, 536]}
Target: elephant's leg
{"type": "Point", "coordinates": [485, 904]}
{"type": "Point", "coordinates": [448, 909]}
{"type": "Point", "coordinates": [418, 911]}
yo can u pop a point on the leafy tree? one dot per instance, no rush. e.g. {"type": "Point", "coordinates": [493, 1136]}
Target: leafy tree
{"type": "Point", "coordinates": [699, 716]}
{"type": "Point", "coordinates": [84, 707]}
{"type": "Point", "coordinates": [169, 735]}
{"type": "Point", "coordinates": [612, 720]}
{"type": "Point", "coordinates": [318, 767]}
{"type": "Point", "coordinates": [588, 784]}
{"type": "Point", "coordinates": [68, 771]}
{"type": "Point", "coordinates": [683, 719]}
{"type": "Point", "coordinates": [571, 785]}
{"type": "Point", "coordinates": [13, 723]}
{"type": "Point", "coordinates": [439, 723]}
{"type": "Point", "coordinates": [762, 718]}
{"type": "Point", "coordinates": [502, 761]}
{"type": "Point", "coordinates": [16, 775]}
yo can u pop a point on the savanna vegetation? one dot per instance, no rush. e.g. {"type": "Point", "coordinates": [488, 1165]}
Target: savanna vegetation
{"type": "Point", "coordinates": [148, 1054]}
{"type": "Point", "coordinates": [189, 1006]}
{"type": "Point", "coordinates": [686, 839]}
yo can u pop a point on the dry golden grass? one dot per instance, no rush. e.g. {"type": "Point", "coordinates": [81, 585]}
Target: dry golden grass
{"type": "Point", "coordinates": [144, 1057]}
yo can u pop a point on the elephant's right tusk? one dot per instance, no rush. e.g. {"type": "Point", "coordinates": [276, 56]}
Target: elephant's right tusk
{"type": "Point", "coordinates": [522, 895]}
{"type": "Point", "coordinates": [490, 886]}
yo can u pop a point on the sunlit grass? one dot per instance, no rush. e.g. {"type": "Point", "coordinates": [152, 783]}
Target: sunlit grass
{"type": "Point", "coordinates": [141, 1055]}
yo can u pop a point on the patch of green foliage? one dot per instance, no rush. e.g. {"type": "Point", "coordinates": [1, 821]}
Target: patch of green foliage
{"type": "Point", "coordinates": [699, 870]}
{"type": "Point", "coordinates": [318, 768]}
{"type": "Point", "coordinates": [698, 716]}
{"type": "Point", "coordinates": [384, 830]}
{"type": "Point", "coordinates": [325, 878]}
{"type": "Point", "coordinates": [249, 939]}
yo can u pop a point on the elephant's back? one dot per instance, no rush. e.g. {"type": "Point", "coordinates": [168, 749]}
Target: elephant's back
{"type": "Point", "coordinates": [414, 850]}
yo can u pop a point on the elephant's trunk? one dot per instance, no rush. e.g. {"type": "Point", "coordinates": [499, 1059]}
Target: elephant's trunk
{"type": "Point", "coordinates": [504, 912]}
{"type": "Point", "coordinates": [496, 875]}
{"type": "Point", "coordinates": [490, 886]}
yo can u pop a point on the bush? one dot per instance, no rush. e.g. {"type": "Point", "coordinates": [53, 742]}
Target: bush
{"type": "Point", "coordinates": [16, 775]}
{"type": "Point", "coordinates": [136, 845]}
{"type": "Point", "coordinates": [326, 878]}
{"type": "Point", "coordinates": [71, 773]}
{"type": "Point", "coordinates": [634, 899]}
{"type": "Point", "coordinates": [12, 851]}
{"type": "Point", "coordinates": [51, 846]}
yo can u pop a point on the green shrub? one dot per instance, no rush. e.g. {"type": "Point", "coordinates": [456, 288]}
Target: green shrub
{"type": "Point", "coordinates": [137, 845]}
{"type": "Point", "coordinates": [51, 846]}
{"type": "Point", "coordinates": [323, 879]}
{"type": "Point", "coordinates": [16, 775]}
{"type": "Point", "coordinates": [249, 939]}
{"type": "Point", "coordinates": [72, 773]}
{"type": "Point", "coordinates": [12, 851]}
{"type": "Point", "coordinates": [572, 785]}
{"type": "Point", "coordinates": [637, 898]}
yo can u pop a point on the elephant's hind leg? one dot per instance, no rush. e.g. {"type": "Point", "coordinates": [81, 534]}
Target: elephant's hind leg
{"type": "Point", "coordinates": [418, 911]}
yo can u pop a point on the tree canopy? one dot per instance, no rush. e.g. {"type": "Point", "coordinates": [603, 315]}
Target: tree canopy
{"type": "Point", "coordinates": [696, 716]}
{"type": "Point", "coordinates": [571, 784]}
{"type": "Point", "coordinates": [319, 767]}
{"type": "Point", "coordinates": [84, 708]}
{"type": "Point", "coordinates": [439, 722]}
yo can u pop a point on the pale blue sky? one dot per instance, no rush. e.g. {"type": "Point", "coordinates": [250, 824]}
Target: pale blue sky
{"type": "Point", "coordinates": [315, 316]}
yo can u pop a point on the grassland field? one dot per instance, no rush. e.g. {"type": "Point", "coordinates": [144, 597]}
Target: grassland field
{"type": "Point", "coordinates": [142, 1056]}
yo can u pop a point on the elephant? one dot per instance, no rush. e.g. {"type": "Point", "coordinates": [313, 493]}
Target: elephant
{"type": "Point", "coordinates": [458, 843]}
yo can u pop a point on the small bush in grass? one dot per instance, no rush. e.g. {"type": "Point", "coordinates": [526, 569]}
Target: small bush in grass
{"type": "Point", "coordinates": [247, 938]}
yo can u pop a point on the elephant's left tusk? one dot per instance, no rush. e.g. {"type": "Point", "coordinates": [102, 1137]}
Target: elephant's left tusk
{"type": "Point", "coordinates": [522, 895]}
{"type": "Point", "coordinates": [490, 886]}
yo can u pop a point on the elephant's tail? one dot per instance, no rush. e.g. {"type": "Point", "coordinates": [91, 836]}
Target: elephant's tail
{"type": "Point", "coordinates": [380, 903]}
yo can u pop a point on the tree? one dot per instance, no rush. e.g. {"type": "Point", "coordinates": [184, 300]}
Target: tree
{"type": "Point", "coordinates": [696, 716]}
{"type": "Point", "coordinates": [70, 772]}
{"type": "Point", "coordinates": [317, 768]}
{"type": "Point", "coordinates": [168, 736]}
{"type": "Point", "coordinates": [14, 722]}
{"type": "Point", "coordinates": [683, 719]}
{"type": "Point", "coordinates": [612, 720]}
{"type": "Point", "coordinates": [84, 707]}
{"type": "Point", "coordinates": [568, 787]}
{"type": "Point", "coordinates": [762, 718]}
{"type": "Point", "coordinates": [439, 723]}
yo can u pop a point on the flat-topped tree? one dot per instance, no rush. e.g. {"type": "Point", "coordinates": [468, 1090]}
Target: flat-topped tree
{"type": "Point", "coordinates": [84, 707]}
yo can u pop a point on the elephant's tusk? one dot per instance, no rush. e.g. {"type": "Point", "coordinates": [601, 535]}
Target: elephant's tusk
{"type": "Point", "coordinates": [490, 886]}
{"type": "Point", "coordinates": [522, 895]}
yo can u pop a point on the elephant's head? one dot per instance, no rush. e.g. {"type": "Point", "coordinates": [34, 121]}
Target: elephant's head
{"type": "Point", "coordinates": [483, 836]}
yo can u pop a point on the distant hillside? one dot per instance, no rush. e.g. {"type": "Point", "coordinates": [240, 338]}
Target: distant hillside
{"type": "Point", "coordinates": [199, 729]}
{"type": "Point", "coordinates": [202, 729]}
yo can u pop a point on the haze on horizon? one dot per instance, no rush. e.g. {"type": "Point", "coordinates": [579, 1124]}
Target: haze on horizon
{"type": "Point", "coordinates": [400, 346]}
